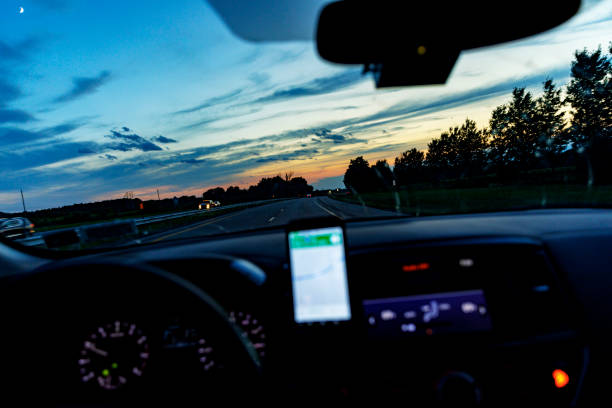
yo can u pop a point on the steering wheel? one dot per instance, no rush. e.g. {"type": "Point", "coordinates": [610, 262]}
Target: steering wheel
{"type": "Point", "coordinates": [46, 313]}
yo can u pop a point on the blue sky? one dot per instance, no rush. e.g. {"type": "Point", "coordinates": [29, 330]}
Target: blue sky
{"type": "Point", "coordinates": [100, 98]}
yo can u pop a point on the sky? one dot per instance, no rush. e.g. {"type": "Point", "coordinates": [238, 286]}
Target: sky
{"type": "Point", "coordinates": [101, 98]}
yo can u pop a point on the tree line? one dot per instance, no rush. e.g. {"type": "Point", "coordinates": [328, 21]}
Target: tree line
{"type": "Point", "coordinates": [267, 188]}
{"type": "Point", "coordinates": [563, 131]}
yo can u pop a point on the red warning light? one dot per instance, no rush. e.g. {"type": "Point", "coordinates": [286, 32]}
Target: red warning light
{"type": "Point", "coordinates": [561, 378]}
{"type": "Point", "coordinates": [423, 266]}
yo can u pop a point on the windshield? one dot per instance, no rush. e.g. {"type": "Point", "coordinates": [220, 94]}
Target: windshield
{"type": "Point", "coordinates": [144, 121]}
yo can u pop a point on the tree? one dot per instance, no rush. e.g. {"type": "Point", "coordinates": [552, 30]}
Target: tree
{"type": "Point", "coordinates": [409, 167]}
{"type": "Point", "coordinates": [440, 156]}
{"type": "Point", "coordinates": [514, 132]}
{"type": "Point", "coordinates": [360, 176]}
{"type": "Point", "coordinates": [215, 194]}
{"type": "Point", "coordinates": [550, 124]}
{"type": "Point", "coordinates": [590, 95]}
{"type": "Point", "coordinates": [460, 152]}
{"type": "Point", "coordinates": [470, 149]}
{"type": "Point", "coordinates": [384, 175]}
{"type": "Point", "coordinates": [298, 186]}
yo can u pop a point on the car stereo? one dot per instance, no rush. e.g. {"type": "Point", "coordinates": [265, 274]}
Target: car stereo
{"type": "Point", "coordinates": [439, 313]}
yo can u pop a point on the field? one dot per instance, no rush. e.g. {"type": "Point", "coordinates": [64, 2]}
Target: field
{"type": "Point", "coordinates": [437, 201]}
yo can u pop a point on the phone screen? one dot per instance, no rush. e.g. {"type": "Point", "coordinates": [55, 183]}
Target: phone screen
{"type": "Point", "coordinates": [318, 275]}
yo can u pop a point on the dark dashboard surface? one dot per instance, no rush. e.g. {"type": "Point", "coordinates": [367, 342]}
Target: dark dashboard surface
{"type": "Point", "coordinates": [537, 281]}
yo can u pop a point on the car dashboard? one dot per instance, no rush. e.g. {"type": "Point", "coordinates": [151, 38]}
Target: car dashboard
{"type": "Point", "coordinates": [486, 309]}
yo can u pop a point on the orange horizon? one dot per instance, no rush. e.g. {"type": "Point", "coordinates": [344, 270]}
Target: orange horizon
{"type": "Point", "coordinates": [313, 170]}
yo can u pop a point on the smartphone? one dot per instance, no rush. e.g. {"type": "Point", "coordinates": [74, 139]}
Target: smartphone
{"type": "Point", "coordinates": [317, 259]}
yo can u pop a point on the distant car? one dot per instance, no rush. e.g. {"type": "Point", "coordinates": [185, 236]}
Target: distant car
{"type": "Point", "coordinates": [308, 195]}
{"type": "Point", "coordinates": [20, 229]}
{"type": "Point", "coordinates": [206, 205]}
{"type": "Point", "coordinates": [217, 204]}
{"type": "Point", "coordinates": [16, 228]}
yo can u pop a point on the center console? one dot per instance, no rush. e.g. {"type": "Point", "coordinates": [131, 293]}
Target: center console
{"type": "Point", "coordinates": [467, 322]}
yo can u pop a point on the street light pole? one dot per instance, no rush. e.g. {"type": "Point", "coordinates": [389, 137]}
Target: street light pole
{"type": "Point", "coordinates": [23, 201]}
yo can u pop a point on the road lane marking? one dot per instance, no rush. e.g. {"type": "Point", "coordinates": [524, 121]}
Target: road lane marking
{"type": "Point", "coordinates": [326, 210]}
{"type": "Point", "coordinates": [196, 226]}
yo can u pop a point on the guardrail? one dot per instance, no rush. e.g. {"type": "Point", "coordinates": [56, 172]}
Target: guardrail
{"type": "Point", "coordinates": [75, 236]}
{"type": "Point", "coordinates": [164, 217]}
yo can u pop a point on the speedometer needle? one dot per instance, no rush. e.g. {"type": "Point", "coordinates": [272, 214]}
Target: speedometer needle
{"type": "Point", "coordinates": [92, 347]}
{"type": "Point", "coordinates": [98, 351]}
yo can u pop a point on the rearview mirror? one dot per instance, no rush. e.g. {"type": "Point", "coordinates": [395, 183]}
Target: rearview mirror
{"type": "Point", "coordinates": [417, 43]}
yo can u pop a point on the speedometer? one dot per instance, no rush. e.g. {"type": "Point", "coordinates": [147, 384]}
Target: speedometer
{"type": "Point", "coordinates": [252, 329]}
{"type": "Point", "coordinates": [113, 354]}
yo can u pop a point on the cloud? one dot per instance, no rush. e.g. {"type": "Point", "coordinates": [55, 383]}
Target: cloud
{"type": "Point", "coordinates": [16, 159]}
{"type": "Point", "coordinates": [476, 94]}
{"type": "Point", "coordinates": [8, 92]}
{"type": "Point", "coordinates": [192, 161]}
{"type": "Point", "coordinates": [85, 150]}
{"type": "Point", "coordinates": [198, 124]}
{"type": "Point", "coordinates": [129, 141]}
{"type": "Point", "coordinates": [287, 156]}
{"type": "Point", "coordinates": [217, 100]}
{"type": "Point", "coordinates": [82, 86]}
{"type": "Point", "coordinates": [62, 128]}
{"type": "Point", "coordinates": [251, 153]}
{"type": "Point", "coordinates": [18, 51]}
{"type": "Point", "coordinates": [13, 135]}
{"type": "Point", "coordinates": [326, 134]}
{"type": "Point", "coordinates": [109, 157]}
{"type": "Point", "coordinates": [259, 78]}
{"type": "Point", "coordinates": [411, 108]}
{"type": "Point", "coordinates": [160, 139]}
{"type": "Point", "coordinates": [394, 148]}
{"type": "Point", "coordinates": [15, 116]}
{"type": "Point", "coordinates": [316, 86]}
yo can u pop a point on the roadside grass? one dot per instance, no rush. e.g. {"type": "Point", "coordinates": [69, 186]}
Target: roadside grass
{"type": "Point", "coordinates": [438, 201]}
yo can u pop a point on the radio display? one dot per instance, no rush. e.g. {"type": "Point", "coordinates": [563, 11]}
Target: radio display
{"type": "Point", "coordinates": [430, 314]}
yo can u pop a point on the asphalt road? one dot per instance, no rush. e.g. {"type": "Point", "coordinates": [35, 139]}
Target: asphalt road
{"type": "Point", "coordinates": [273, 214]}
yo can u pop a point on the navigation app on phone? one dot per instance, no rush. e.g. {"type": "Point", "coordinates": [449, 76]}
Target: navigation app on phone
{"type": "Point", "coordinates": [318, 273]}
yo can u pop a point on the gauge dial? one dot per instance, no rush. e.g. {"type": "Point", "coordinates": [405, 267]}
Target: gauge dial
{"type": "Point", "coordinates": [178, 337]}
{"type": "Point", "coordinates": [113, 355]}
{"type": "Point", "coordinates": [252, 330]}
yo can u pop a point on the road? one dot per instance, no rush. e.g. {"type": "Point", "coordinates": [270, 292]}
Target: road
{"type": "Point", "coordinates": [270, 215]}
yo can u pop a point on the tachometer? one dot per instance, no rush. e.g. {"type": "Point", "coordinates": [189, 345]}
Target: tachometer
{"type": "Point", "coordinates": [114, 354]}
{"type": "Point", "coordinates": [252, 329]}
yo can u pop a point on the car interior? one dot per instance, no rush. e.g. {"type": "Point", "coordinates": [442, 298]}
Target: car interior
{"type": "Point", "coordinates": [477, 309]}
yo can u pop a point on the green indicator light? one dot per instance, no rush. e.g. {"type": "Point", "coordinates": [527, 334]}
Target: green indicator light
{"type": "Point", "coordinates": [105, 372]}
{"type": "Point", "coordinates": [114, 365]}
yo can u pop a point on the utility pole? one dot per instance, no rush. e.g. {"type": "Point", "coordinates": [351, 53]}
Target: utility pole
{"type": "Point", "coordinates": [158, 195]}
{"type": "Point", "coordinates": [22, 201]}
